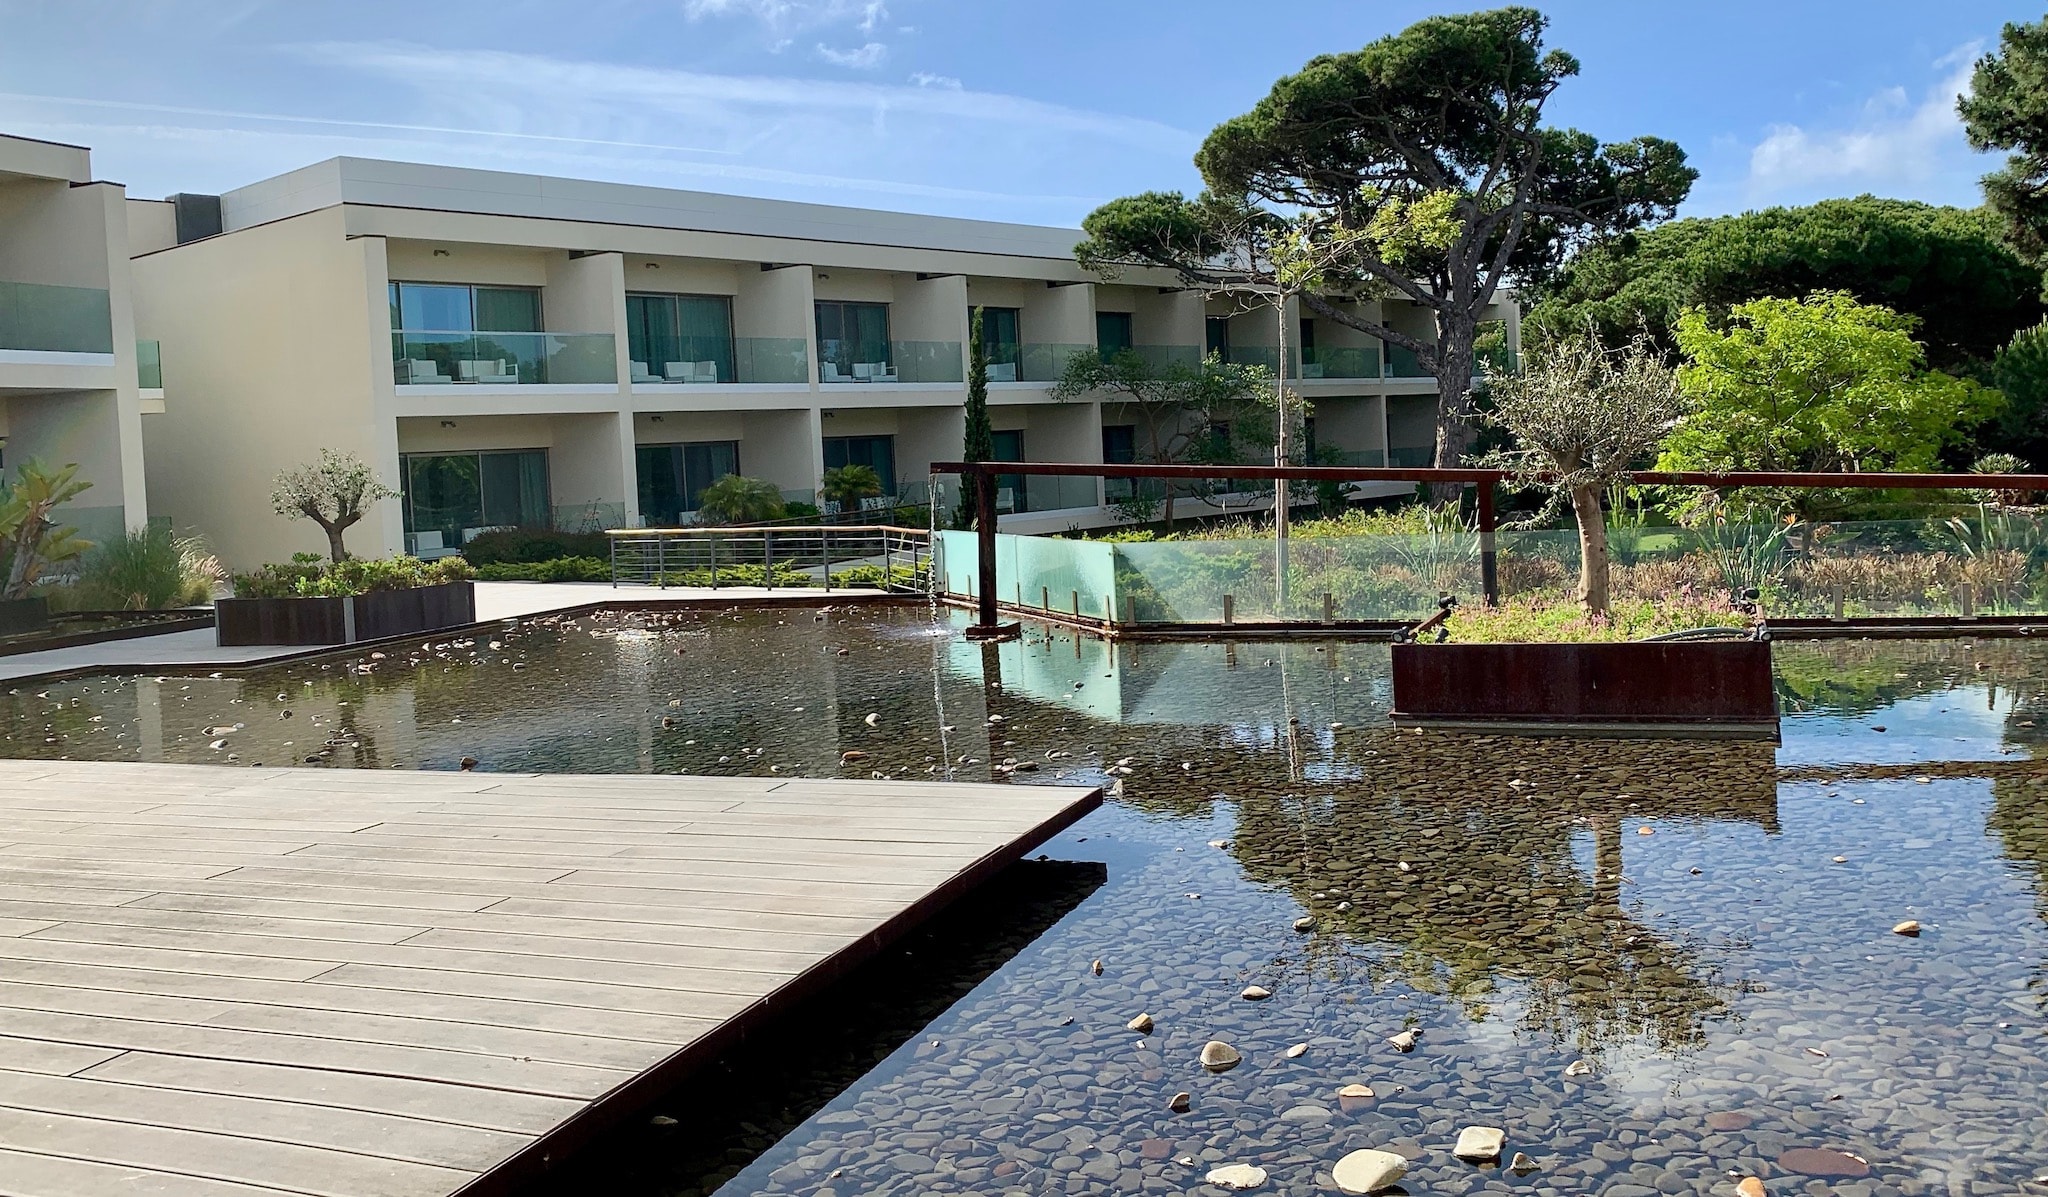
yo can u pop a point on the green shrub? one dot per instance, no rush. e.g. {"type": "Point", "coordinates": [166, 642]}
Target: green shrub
{"type": "Point", "coordinates": [146, 569]}
{"type": "Point", "coordinates": [307, 576]}
{"type": "Point", "coordinates": [563, 569]}
{"type": "Point", "coordinates": [527, 546]}
{"type": "Point", "coordinates": [873, 575]}
{"type": "Point", "coordinates": [738, 499]}
{"type": "Point", "coordinates": [801, 511]}
{"type": "Point", "coordinates": [741, 575]}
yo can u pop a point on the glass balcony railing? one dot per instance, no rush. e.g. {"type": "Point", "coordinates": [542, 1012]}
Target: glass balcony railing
{"type": "Point", "coordinates": [1401, 363]}
{"type": "Point", "coordinates": [1035, 363]}
{"type": "Point", "coordinates": [1160, 357]}
{"type": "Point", "coordinates": [1044, 492]}
{"type": "Point", "coordinates": [422, 358]}
{"type": "Point", "coordinates": [1411, 457]}
{"type": "Point", "coordinates": [40, 318]}
{"type": "Point", "coordinates": [900, 362]}
{"type": "Point", "coordinates": [722, 359]}
{"type": "Point", "coordinates": [1350, 361]}
{"type": "Point", "coordinates": [149, 365]}
{"type": "Point", "coordinates": [1371, 459]}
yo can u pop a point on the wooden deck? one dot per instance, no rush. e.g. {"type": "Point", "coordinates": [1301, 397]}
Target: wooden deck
{"type": "Point", "coordinates": [224, 983]}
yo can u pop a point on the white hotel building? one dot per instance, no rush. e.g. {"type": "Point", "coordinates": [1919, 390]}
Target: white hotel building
{"type": "Point", "coordinates": [513, 349]}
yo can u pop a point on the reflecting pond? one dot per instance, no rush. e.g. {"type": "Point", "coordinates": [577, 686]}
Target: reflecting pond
{"type": "Point", "coordinates": [1655, 965]}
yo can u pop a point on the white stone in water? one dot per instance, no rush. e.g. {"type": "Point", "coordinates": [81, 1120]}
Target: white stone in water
{"type": "Point", "coordinates": [1479, 1143]}
{"type": "Point", "coordinates": [1255, 993]}
{"type": "Point", "coordinates": [1218, 1056]}
{"type": "Point", "coordinates": [1141, 1024]}
{"type": "Point", "coordinates": [1369, 1171]}
{"type": "Point", "coordinates": [1297, 1051]}
{"type": "Point", "coordinates": [1306, 922]}
{"type": "Point", "coordinates": [1521, 1163]}
{"type": "Point", "coordinates": [1577, 1068]}
{"type": "Point", "coordinates": [1909, 927]}
{"type": "Point", "coordinates": [1356, 1092]}
{"type": "Point", "coordinates": [1404, 1042]}
{"type": "Point", "coordinates": [1237, 1176]}
{"type": "Point", "coordinates": [873, 718]}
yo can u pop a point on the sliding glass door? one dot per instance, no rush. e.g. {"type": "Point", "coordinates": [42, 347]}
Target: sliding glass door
{"type": "Point", "coordinates": [853, 341]}
{"type": "Point", "coordinates": [680, 338]}
{"type": "Point", "coordinates": [876, 452]}
{"type": "Point", "coordinates": [673, 477]}
{"type": "Point", "coordinates": [449, 497]}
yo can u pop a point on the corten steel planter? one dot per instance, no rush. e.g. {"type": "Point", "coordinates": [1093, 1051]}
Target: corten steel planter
{"type": "Point", "coordinates": [1643, 688]}
{"type": "Point", "coordinates": [373, 616]}
{"type": "Point", "coordinates": [18, 616]}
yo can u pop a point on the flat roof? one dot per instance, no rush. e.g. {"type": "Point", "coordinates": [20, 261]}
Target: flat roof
{"type": "Point", "coordinates": [377, 182]}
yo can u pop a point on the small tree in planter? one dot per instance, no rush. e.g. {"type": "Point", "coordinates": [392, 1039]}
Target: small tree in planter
{"type": "Point", "coordinates": [845, 486]}
{"type": "Point", "coordinates": [333, 494]}
{"type": "Point", "coordinates": [1582, 416]}
{"type": "Point", "coordinates": [736, 499]}
{"type": "Point", "coordinates": [29, 541]}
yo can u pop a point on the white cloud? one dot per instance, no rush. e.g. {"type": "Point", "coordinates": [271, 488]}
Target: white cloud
{"type": "Point", "coordinates": [863, 58]}
{"type": "Point", "coordinates": [1891, 146]}
{"type": "Point", "coordinates": [783, 17]}
{"type": "Point", "coordinates": [927, 79]}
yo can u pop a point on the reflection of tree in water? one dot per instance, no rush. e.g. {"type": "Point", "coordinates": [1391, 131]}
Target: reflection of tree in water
{"type": "Point", "coordinates": [1493, 892]}
{"type": "Point", "coordinates": [1855, 677]}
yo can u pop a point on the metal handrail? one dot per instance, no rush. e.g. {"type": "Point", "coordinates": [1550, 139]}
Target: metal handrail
{"type": "Point", "coordinates": [656, 556]}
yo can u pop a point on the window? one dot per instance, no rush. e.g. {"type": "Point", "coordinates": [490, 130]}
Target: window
{"type": "Point", "coordinates": [1218, 328]}
{"type": "Point", "coordinates": [1308, 335]}
{"type": "Point", "coordinates": [680, 338]}
{"type": "Point", "coordinates": [451, 496]}
{"type": "Point", "coordinates": [878, 453]}
{"type": "Point", "coordinates": [1119, 443]}
{"type": "Point", "coordinates": [458, 307]}
{"type": "Point", "coordinates": [673, 477]}
{"type": "Point", "coordinates": [1112, 333]}
{"type": "Point", "coordinates": [853, 341]}
{"type": "Point", "coordinates": [999, 340]}
{"type": "Point", "coordinates": [1008, 445]}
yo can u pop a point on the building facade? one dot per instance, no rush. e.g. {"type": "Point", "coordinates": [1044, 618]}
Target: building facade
{"type": "Point", "coordinates": [512, 349]}
{"type": "Point", "coordinates": [74, 383]}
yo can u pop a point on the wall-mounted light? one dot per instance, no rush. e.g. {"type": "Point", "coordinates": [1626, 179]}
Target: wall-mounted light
{"type": "Point", "coordinates": [447, 423]}
{"type": "Point", "coordinates": [440, 253]}
{"type": "Point", "coordinates": [655, 419]}
{"type": "Point", "coordinates": [822, 274]}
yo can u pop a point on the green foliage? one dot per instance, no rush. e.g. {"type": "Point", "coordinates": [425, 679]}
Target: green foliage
{"type": "Point", "coordinates": [30, 542]}
{"type": "Point", "coordinates": [801, 511]}
{"type": "Point", "coordinates": [2020, 372]}
{"type": "Point", "coordinates": [146, 569]}
{"type": "Point", "coordinates": [2006, 108]}
{"type": "Point", "coordinates": [334, 493]}
{"type": "Point", "coordinates": [979, 441]}
{"type": "Point", "coordinates": [553, 569]}
{"type": "Point", "coordinates": [901, 577]}
{"type": "Point", "coordinates": [503, 546]}
{"type": "Point", "coordinates": [1548, 621]}
{"type": "Point", "coordinates": [1824, 383]}
{"type": "Point", "coordinates": [1946, 266]}
{"type": "Point", "coordinates": [740, 575]}
{"type": "Point", "coordinates": [845, 486]}
{"type": "Point", "coordinates": [736, 499]}
{"type": "Point", "coordinates": [307, 576]}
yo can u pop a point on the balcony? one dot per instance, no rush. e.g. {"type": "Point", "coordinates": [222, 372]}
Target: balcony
{"type": "Point", "coordinates": [774, 360]}
{"type": "Point", "coordinates": [1044, 492]}
{"type": "Point", "coordinates": [1401, 363]}
{"type": "Point", "coordinates": [1160, 357]}
{"type": "Point", "coordinates": [1031, 363]}
{"type": "Point", "coordinates": [424, 358]}
{"type": "Point", "coordinates": [1369, 459]}
{"type": "Point", "coordinates": [149, 365]}
{"type": "Point", "coordinates": [898, 363]}
{"type": "Point", "coordinates": [1351, 361]}
{"type": "Point", "coordinates": [41, 318]}
{"type": "Point", "coordinates": [1412, 457]}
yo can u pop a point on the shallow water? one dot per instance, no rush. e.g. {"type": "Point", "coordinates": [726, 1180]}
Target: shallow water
{"type": "Point", "coordinates": [1671, 914]}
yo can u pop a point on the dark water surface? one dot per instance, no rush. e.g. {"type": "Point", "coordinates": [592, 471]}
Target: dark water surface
{"type": "Point", "coordinates": [1701, 932]}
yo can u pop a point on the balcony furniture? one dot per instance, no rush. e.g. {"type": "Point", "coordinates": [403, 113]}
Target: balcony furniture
{"type": "Point", "coordinates": [692, 372]}
{"type": "Point", "coordinates": [829, 372]}
{"type": "Point", "coordinates": [430, 546]}
{"type": "Point", "coordinates": [873, 372]}
{"type": "Point", "coordinates": [417, 371]}
{"type": "Point", "coordinates": [486, 371]}
{"type": "Point", "coordinates": [1002, 371]}
{"type": "Point", "coordinates": [1006, 499]}
{"type": "Point", "coordinates": [642, 374]}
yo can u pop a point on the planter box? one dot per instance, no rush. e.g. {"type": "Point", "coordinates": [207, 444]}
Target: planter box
{"type": "Point", "coordinates": [375, 616]}
{"type": "Point", "coordinates": [23, 615]}
{"type": "Point", "coordinates": [1697, 688]}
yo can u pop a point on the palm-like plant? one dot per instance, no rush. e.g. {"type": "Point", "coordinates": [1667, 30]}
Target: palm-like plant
{"type": "Point", "coordinates": [845, 486]}
{"type": "Point", "coordinates": [735, 499]}
{"type": "Point", "coordinates": [29, 540]}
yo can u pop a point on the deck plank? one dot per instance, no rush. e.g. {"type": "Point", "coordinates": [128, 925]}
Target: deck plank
{"type": "Point", "coordinates": [232, 983]}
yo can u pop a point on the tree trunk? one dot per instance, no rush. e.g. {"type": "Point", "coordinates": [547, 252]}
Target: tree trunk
{"type": "Point", "coordinates": [1593, 559]}
{"type": "Point", "coordinates": [1454, 430]}
{"type": "Point", "coordinates": [334, 546]}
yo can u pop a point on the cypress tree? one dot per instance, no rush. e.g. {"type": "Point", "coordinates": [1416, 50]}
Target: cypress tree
{"type": "Point", "coordinates": [980, 440]}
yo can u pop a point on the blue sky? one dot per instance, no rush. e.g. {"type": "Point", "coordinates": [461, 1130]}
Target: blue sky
{"type": "Point", "coordinates": [1031, 112]}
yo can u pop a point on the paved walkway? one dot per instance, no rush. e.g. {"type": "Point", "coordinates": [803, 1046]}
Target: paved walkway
{"type": "Point", "coordinates": [373, 983]}
{"type": "Point", "coordinates": [494, 600]}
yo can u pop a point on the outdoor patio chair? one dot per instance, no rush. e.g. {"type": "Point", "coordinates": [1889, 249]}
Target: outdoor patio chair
{"type": "Point", "coordinates": [829, 372]}
{"type": "Point", "coordinates": [490, 371]}
{"type": "Point", "coordinates": [418, 371]}
{"type": "Point", "coordinates": [1002, 371]}
{"type": "Point", "coordinates": [642, 374]}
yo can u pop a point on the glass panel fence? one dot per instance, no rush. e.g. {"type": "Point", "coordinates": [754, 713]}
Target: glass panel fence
{"type": "Point", "coordinates": [1044, 492]}
{"type": "Point", "coordinates": [928, 361]}
{"type": "Point", "coordinates": [40, 318]}
{"type": "Point", "coordinates": [502, 359]}
{"type": "Point", "coordinates": [715, 360]}
{"type": "Point", "coordinates": [1161, 357]}
{"type": "Point", "coordinates": [1042, 363]}
{"type": "Point", "coordinates": [149, 365]}
{"type": "Point", "coordinates": [589, 517]}
{"type": "Point", "coordinates": [1341, 362]}
{"type": "Point", "coordinates": [1401, 363]}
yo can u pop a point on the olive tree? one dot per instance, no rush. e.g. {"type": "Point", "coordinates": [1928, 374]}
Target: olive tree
{"type": "Point", "coordinates": [1582, 416]}
{"type": "Point", "coordinates": [334, 493]}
